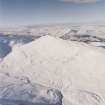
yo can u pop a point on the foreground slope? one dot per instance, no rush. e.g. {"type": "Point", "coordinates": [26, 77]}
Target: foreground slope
{"type": "Point", "coordinates": [21, 91]}
{"type": "Point", "coordinates": [77, 70]}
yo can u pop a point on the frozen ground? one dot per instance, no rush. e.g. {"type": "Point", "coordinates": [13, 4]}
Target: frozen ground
{"type": "Point", "coordinates": [53, 65]}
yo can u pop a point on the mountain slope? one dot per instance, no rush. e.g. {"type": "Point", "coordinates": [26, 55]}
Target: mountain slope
{"type": "Point", "coordinates": [77, 70]}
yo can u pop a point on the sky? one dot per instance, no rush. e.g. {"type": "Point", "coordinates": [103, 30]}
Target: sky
{"type": "Point", "coordinates": [27, 12]}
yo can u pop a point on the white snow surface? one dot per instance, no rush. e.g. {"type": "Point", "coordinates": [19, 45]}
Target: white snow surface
{"type": "Point", "coordinates": [75, 69]}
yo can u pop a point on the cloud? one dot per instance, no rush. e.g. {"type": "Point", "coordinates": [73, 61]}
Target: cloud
{"type": "Point", "coordinates": [80, 1]}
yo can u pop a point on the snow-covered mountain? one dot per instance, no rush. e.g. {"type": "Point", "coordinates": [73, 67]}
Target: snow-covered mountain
{"type": "Point", "coordinates": [76, 69]}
